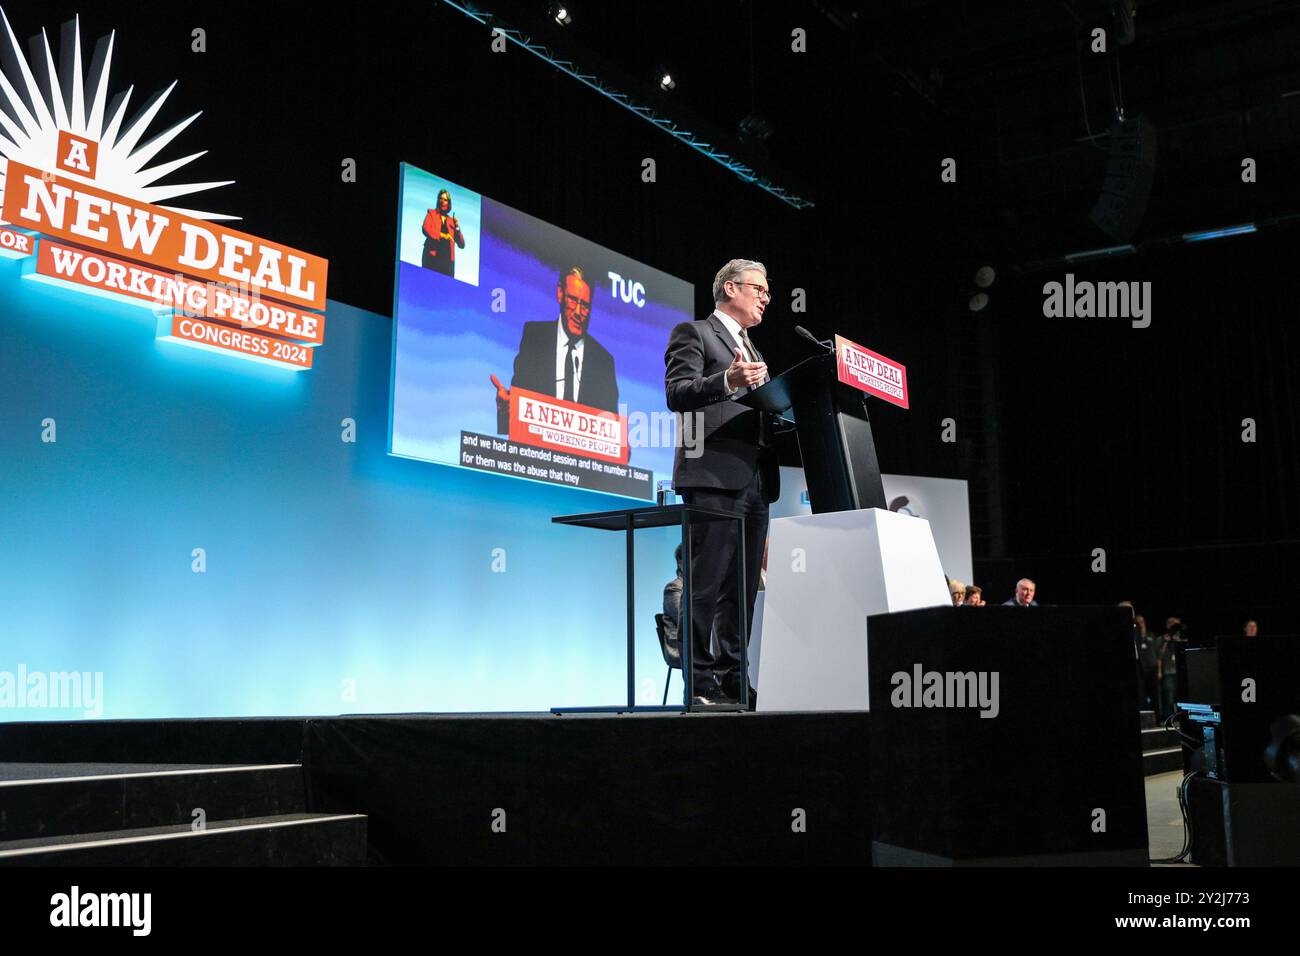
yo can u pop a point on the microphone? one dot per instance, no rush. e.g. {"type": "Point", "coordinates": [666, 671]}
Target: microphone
{"type": "Point", "coordinates": [812, 338]}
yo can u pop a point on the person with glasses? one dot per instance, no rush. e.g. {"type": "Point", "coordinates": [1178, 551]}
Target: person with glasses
{"type": "Point", "coordinates": [560, 357]}
{"type": "Point", "coordinates": [709, 363]}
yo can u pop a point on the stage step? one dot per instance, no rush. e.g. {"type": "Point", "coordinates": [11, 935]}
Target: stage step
{"type": "Point", "coordinates": [291, 839]}
{"type": "Point", "coordinates": [50, 800]}
{"type": "Point", "coordinates": [1162, 761]}
{"type": "Point", "coordinates": [1158, 738]}
{"type": "Point", "coordinates": [1161, 749]}
{"type": "Point", "coordinates": [125, 814]}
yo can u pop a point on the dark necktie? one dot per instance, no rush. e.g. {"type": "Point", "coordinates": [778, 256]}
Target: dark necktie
{"type": "Point", "coordinates": [569, 359]}
{"type": "Point", "coordinates": [764, 426]}
{"type": "Point", "coordinates": [749, 347]}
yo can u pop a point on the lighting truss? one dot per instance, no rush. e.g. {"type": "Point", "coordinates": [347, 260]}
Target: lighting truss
{"type": "Point", "coordinates": [647, 113]}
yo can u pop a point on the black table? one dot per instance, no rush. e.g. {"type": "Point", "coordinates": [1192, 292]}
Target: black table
{"type": "Point", "coordinates": [628, 520]}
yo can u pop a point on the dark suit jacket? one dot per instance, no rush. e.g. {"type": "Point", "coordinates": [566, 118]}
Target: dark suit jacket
{"type": "Point", "coordinates": [535, 371]}
{"type": "Point", "coordinates": [696, 361]}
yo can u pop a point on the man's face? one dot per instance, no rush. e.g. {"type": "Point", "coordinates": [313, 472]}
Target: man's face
{"type": "Point", "coordinates": [1025, 592]}
{"type": "Point", "coordinates": [1252, 629]}
{"type": "Point", "coordinates": [575, 305]}
{"type": "Point", "coordinates": [750, 297]}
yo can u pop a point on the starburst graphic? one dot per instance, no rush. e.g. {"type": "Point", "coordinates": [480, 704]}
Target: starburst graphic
{"type": "Point", "coordinates": [37, 100]}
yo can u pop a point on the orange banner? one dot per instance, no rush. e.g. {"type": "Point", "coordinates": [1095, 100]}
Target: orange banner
{"type": "Point", "coordinates": [185, 330]}
{"type": "Point", "coordinates": [213, 300]}
{"type": "Point", "coordinates": [15, 245]}
{"type": "Point", "coordinates": [88, 216]}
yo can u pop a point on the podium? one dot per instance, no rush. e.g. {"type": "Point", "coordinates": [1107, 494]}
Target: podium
{"type": "Point", "coordinates": [851, 558]}
{"type": "Point", "coordinates": [834, 571]}
{"type": "Point", "coordinates": [835, 440]}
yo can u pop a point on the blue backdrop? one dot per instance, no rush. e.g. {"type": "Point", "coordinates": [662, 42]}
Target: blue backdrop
{"type": "Point", "coordinates": [338, 579]}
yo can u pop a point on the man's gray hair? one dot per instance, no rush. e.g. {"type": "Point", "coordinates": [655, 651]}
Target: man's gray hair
{"type": "Point", "coordinates": [732, 272]}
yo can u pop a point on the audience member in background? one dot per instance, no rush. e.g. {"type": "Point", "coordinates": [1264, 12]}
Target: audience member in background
{"type": "Point", "coordinates": [1146, 649]}
{"type": "Point", "coordinates": [673, 603]}
{"type": "Point", "coordinates": [1144, 652]}
{"type": "Point", "coordinates": [1137, 663]}
{"type": "Point", "coordinates": [1250, 629]}
{"type": "Point", "coordinates": [974, 596]}
{"type": "Point", "coordinates": [957, 590]}
{"type": "Point", "coordinates": [1171, 641]}
{"type": "Point", "coordinates": [1024, 596]}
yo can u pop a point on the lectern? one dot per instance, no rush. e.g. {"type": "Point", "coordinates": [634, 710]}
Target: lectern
{"type": "Point", "coordinates": [835, 441]}
{"type": "Point", "coordinates": [851, 557]}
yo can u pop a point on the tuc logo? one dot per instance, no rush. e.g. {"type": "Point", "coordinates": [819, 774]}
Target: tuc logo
{"type": "Point", "coordinates": [627, 290]}
{"type": "Point", "coordinates": [80, 202]}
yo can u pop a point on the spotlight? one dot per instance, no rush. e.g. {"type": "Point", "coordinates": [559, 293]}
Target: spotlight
{"type": "Point", "coordinates": [561, 14]}
{"type": "Point", "coordinates": [755, 129]}
{"type": "Point", "coordinates": [984, 276]}
{"type": "Point", "coordinates": [978, 301]}
{"type": "Point", "coordinates": [666, 81]}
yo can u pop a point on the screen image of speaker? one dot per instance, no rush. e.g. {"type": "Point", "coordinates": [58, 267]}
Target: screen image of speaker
{"type": "Point", "coordinates": [524, 350]}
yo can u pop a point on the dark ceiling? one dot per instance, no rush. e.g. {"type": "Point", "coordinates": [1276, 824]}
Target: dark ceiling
{"type": "Point", "coordinates": [858, 124]}
{"type": "Point", "coordinates": [1011, 90]}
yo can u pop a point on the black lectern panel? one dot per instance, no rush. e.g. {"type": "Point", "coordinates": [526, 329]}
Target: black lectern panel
{"type": "Point", "coordinates": [1054, 777]}
{"type": "Point", "coordinates": [835, 440]}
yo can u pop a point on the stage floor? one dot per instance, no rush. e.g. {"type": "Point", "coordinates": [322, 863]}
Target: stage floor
{"type": "Point", "coordinates": [669, 789]}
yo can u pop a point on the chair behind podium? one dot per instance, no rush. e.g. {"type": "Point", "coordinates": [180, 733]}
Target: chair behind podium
{"type": "Point", "coordinates": [672, 655]}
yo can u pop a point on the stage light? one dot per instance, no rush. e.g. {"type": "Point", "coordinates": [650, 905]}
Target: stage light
{"type": "Point", "coordinates": [755, 129]}
{"type": "Point", "coordinates": [1105, 253]}
{"type": "Point", "coordinates": [666, 81]}
{"type": "Point", "coordinates": [561, 15]}
{"type": "Point", "coordinates": [984, 276]}
{"type": "Point", "coordinates": [978, 301]}
{"type": "Point", "coordinates": [1219, 233]}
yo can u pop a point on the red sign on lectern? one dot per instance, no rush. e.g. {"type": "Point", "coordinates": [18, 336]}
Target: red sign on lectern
{"type": "Point", "coordinates": [870, 371]}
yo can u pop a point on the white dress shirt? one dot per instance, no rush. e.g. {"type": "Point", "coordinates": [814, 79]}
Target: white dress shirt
{"type": "Point", "coordinates": [561, 355]}
{"type": "Point", "coordinates": [733, 327]}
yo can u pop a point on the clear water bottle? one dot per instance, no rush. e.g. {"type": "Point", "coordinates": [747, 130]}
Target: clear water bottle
{"type": "Point", "coordinates": [664, 493]}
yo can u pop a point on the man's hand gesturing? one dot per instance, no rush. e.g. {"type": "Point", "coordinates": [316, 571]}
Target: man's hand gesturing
{"type": "Point", "coordinates": [746, 374]}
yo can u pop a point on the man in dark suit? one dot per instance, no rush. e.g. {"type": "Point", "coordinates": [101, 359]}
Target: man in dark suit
{"type": "Point", "coordinates": [710, 363]}
{"type": "Point", "coordinates": [561, 358]}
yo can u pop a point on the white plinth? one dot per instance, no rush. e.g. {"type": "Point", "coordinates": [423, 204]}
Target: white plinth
{"type": "Point", "coordinates": [825, 575]}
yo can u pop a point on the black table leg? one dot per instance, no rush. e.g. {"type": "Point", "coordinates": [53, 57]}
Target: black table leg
{"type": "Point", "coordinates": [631, 618]}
